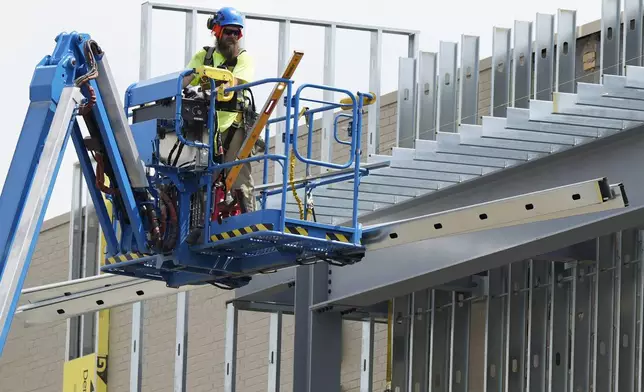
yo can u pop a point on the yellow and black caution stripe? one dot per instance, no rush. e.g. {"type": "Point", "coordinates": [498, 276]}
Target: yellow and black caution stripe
{"type": "Point", "coordinates": [337, 237]}
{"type": "Point", "coordinates": [125, 257]}
{"type": "Point", "coordinates": [299, 230]}
{"type": "Point", "coordinates": [241, 231]}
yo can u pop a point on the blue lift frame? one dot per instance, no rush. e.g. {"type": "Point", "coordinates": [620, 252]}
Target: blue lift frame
{"type": "Point", "coordinates": [73, 83]}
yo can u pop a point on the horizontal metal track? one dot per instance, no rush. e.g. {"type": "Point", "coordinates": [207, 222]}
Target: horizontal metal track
{"type": "Point", "coordinates": [63, 300]}
{"type": "Point", "coordinates": [570, 200]}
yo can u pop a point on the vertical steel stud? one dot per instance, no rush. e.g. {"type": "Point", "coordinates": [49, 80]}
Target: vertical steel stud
{"type": "Point", "coordinates": [326, 147]}
{"type": "Point", "coordinates": [274, 352]}
{"type": "Point", "coordinates": [610, 37]}
{"type": "Point", "coordinates": [469, 72]}
{"type": "Point", "coordinates": [375, 69]}
{"type": "Point", "coordinates": [420, 341]}
{"type": "Point", "coordinates": [495, 329]}
{"type": "Point", "coordinates": [522, 64]}
{"type": "Point", "coordinates": [447, 87]}
{"type": "Point", "coordinates": [366, 358]}
{"type": "Point", "coordinates": [500, 72]}
{"type": "Point", "coordinates": [427, 96]}
{"type": "Point", "coordinates": [566, 51]}
{"type": "Point", "coordinates": [406, 129]}
{"type": "Point", "coordinates": [544, 56]}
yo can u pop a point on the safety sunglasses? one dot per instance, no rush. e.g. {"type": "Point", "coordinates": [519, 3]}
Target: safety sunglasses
{"type": "Point", "coordinates": [236, 33]}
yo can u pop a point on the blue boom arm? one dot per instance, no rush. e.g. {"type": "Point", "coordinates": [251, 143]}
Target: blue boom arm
{"type": "Point", "coordinates": [154, 156]}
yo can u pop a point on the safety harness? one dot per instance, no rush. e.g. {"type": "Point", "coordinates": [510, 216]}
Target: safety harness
{"type": "Point", "coordinates": [246, 107]}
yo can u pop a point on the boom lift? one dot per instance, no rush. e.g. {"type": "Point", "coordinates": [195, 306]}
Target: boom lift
{"type": "Point", "coordinates": [166, 179]}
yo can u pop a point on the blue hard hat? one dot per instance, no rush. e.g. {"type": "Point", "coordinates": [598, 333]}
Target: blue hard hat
{"type": "Point", "coordinates": [228, 16]}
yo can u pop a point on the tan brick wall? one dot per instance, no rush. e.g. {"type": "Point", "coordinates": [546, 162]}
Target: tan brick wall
{"type": "Point", "coordinates": [44, 347]}
{"type": "Point", "coordinates": [33, 356]}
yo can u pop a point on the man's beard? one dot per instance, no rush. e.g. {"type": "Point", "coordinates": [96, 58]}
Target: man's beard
{"type": "Point", "coordinates": [228, 47]}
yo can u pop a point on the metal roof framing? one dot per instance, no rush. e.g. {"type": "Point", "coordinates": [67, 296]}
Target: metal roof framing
{"type": "Point", "coordinates": [525, 144]}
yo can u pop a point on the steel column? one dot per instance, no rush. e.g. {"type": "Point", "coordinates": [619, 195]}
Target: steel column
{"type": "Point", "coordinates": [537, 323]}
{"type": "Point", "coordinates": [500, 72]}
{"type": "Point", "coordinates": [447, 87]}
{"type": "Point", "coordinates": [626, 336]}
{"type": "Point", "coordinates": [181, 338]}
{"type": "Point", "coordinates": [460, 342]}
{"type": "Point", "coordinates": [300, 333]}
{"type": "Point", "coordinates": [283, 56]}
{"type": "Point", "coordinates": [401, 343]}
{"type": "Point", "coordinates": [633, 18]}
{"type": "Point", "coordinates": [522, 64]}
{"type": "Point", "coordinates": [324, 335]}
{"type": "Point", "coordinates": [469, 75]}
{"type": "Point", "coordinates": [427, 96]}
{"type": "Point", "coordinates": [405, 126]}
{"type": "Point", "coordinates": [274, 352]}
{"type": "Point", "coordinates": [181, 343]}
{"type": "Point", "coordinates": [230, 349]}
{"type": "Point", "coordinates": [639, 379]}
{"type": "Point", "coordinates": [136, 347]}
{"type": "Point", "coordinates": [495, 330]}
{"type": "Point", "coordinates": [145, 72]}
{"type": "Point", "coordinates": [373, 111]}
{"type": "Point", "coordinates": [544, 57]}
{"type": "Point", "coordinates": [72, 346]}
{"type": "Point", "coordinates": [608, 250]}
{"type": "Point", "coordinates": [566, 51]}
{"type": "Point", "coordinates": [559, 329]}
{"type": "Point", "coordinates": [580, 327]}
{"type": "Point", "coordinates": [420, 341]}
{"type": "Point", "coordinates": [517, 316]}
{"type": "Point", "coordinates": [366, 357]}
{"type": "Point", "coordinates": [440, 347]}
{"type": "Point", "coordinates": [326, 147]}
{"type": "Point", "coordinates": [610, 38]}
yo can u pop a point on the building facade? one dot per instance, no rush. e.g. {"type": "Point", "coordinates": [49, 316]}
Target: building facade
{"type": "Point", "coordinates": [34, 356]}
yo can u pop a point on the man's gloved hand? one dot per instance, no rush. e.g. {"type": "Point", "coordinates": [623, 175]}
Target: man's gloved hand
{"type": "Point", "coordinates": [193, 92]}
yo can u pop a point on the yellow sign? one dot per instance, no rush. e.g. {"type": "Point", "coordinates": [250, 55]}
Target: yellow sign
{"type": "Point", "coordinates": [80, 374]}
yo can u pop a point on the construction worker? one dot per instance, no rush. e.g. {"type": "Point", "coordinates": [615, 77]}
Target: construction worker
{"type": "Point", "coordinates": [234, 118]}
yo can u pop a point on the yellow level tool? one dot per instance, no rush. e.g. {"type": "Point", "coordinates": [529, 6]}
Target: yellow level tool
{"type": "Point", "coordinates": [247, 147]}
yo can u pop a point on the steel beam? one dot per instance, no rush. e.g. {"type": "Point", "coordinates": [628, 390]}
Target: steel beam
{"type": "Point", "coordinates": [264, 287]}
{"type": "Point", "coordinates": [433, 262]}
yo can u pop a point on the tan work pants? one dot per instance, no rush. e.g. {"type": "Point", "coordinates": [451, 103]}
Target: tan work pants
{"type": "Point", "coordinates": [244, 180]}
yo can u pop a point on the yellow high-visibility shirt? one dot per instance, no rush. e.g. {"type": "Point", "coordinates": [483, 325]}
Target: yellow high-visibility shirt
{"type": "Point", "coordinates": [244, 70]}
